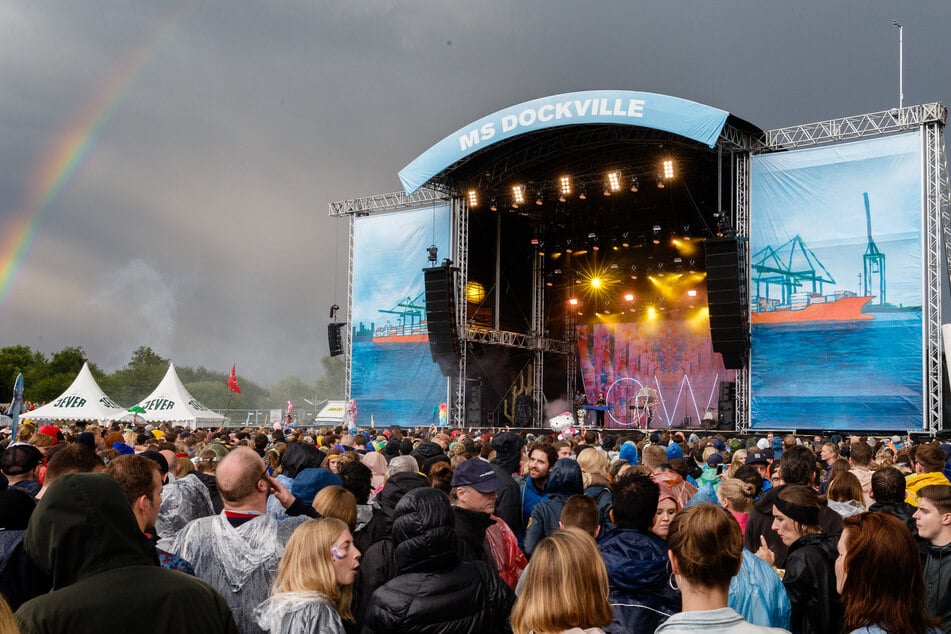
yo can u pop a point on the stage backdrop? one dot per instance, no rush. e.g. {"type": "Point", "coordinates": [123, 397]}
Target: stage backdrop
{"type": "Point", "coordinates": [662, 370]}
{"type": "Point", "coordinates": [394, 380]}
{"type": "Point", "coordinates": [836, 286]}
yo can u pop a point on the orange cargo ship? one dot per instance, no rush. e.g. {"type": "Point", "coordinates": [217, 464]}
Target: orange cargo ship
{"type": "Point", "coordinates": [847, 308]}
{"type": "Point", "coordinates": [401, 334]}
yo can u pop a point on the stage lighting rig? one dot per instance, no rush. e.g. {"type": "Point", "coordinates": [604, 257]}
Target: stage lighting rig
{"type": "Point", "coordinates": [433, 254]}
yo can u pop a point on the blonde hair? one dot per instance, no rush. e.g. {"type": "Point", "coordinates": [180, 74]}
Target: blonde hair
{"type": "Point", "coordinates": [739, 493]}
{"type": "Point", "coordinates": [336, 502]}
{"type": "Point", "coordinates": [592, 462]}
{"type": "Point", "coordinates": [566, 586]}
{"type": "Point", "coordinates": [8, 622]}
{"type": "Point", "coordinates": [307, 566]}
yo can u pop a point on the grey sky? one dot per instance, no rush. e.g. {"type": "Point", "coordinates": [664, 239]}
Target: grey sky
{"type": "Point", "coordinates": [196, 221]}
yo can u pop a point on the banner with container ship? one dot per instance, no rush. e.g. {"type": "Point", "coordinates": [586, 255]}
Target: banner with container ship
{"type": "Point", "coordinates": [836, 286]}
{"type": "Point", "coordinates": [394, 380]}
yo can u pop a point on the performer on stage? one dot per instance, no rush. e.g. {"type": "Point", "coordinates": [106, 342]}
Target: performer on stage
{"type": "Point", "coordinates": [600, 412]}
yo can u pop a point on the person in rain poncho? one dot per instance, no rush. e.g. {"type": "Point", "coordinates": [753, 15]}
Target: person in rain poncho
{"type": "Point", "coordinates": [312, 591]}
{"type": "Point", "coordinates": [238, 551]}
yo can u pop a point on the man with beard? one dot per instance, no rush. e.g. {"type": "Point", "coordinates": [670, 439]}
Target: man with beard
{"type": "Point", "coordinates": [541, 458]}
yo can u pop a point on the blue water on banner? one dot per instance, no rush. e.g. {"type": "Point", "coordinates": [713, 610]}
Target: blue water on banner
{"type": "Point", "coordinates": [862, 375]}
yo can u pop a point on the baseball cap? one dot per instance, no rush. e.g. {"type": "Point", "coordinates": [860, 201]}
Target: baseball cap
{"type": "Point", "coordinates": [20, 459]}
{"type": "Point", "coordinates": [478, 474]}
{"type": "Point", "coordinates": [757, 457]}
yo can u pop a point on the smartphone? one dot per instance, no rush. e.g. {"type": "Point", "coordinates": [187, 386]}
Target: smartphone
{"type": "Point", "coordinates": [719, 469]}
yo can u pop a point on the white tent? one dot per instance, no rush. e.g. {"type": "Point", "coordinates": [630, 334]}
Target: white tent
{"type": "Point", "coordinates": [333, 413]}
{"type": "Point", "coordinates": [170, 402]}
{"type": "Point", "coordinates": [83, 400]}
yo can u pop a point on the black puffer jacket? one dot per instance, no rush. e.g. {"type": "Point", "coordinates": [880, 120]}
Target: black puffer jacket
{"type": "Point", "coordinates": [434, 592]}
{"type": "Point", "coordinates": [564, 481]}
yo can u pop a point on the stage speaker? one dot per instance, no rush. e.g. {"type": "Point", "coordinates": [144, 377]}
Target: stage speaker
{"type": "Point", "coordinates": [441, 318]}
{"type": "Point", "coordinates": [334, 339]}
{"type": "Point", "coordinates": [728, 300]}
{"type": "Point", "coordinates": [474, 403]}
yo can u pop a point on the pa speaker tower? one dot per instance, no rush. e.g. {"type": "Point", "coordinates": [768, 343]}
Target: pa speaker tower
{"type": "Point", "coordinates": [441, 318]}
{"type": "Point", "coordinates": [728, 300]}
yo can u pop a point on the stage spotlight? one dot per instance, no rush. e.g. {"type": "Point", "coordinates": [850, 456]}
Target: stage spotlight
{"type": "Point", "coordinates": [656, 229]}
{"type": "Point", "coordinates": [691, 293]}
{"type": "Point", "coordinates": [629, 297]}
{"type": "Point", "coordinates": [492, 205]}
{"type": "Point", "coordinates": [668, 169]}
{"type": "Point", "coordinates": [535, 241]}
{"type": "Point", "coordinates": [595, 282]}
{"type": "Point", "coordinates": [634, 185]}
{"type": "Point", "coordinates": [539, 200]}
{"type": "Point", "coordinates": [518, 196]}
{"type": "Point", "coordinates": [432, 253]}
{"type": "Point", "coordinates": [564, 187]}
{"type": "Point", "coordinates": [584, 193]}
{"type": "Point", "coordinates": [473, 198]}
{"type": "Point", "coordinates": [573, 301]}
{"type": "Point", "coordinates": [660, 183]}
{"type": "Point", "coordinates": [613, 182]}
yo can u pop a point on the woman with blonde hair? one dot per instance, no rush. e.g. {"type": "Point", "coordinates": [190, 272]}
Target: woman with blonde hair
{"type": "Point", "coordinates": [313, 588]}
{"type": "Point", "coordinates": [337, 502]}
{"type": "Point", "coordinates": [566, 587]}
{"type": "Point", "coordinates": [594, 476]}
{"type": "Point", "coordinates": [737, 496]}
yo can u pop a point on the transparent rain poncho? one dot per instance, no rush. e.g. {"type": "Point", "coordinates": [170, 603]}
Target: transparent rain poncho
{"type": "Point", "coordinates": [183, 500]}
{"type": "Point", "coordinates": [240, 563]}
{"type": "Point", "coordinates": [299, 613]}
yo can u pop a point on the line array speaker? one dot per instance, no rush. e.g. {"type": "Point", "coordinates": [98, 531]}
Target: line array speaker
{"type": "Point", "coordinates": [441, 318]}
{"type": "Point", "coordinates": [334, 339]}
{"type": "Point", "coordinates": [728, 300]}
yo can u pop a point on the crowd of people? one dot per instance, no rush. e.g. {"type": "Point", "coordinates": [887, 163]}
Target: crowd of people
{"type": "Point", "coordinates": [436, 530]}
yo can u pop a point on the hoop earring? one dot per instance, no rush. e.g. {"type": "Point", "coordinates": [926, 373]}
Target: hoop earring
{"type": "Point", "coordinates": [671, 583]}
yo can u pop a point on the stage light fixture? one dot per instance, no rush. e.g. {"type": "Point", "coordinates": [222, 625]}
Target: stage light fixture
{"type": "Point", "coordinates": [518, 196]}
{"type": "Point", "coordinates": [565, 186]}
{"type": "Point", "coordinates": [668, 169]}
{"type": "Point", "coordinates": [691, 293]}
{"type": "Point", "coordinates": [613, 182]}
{"type": "Point", "coordinates": [584, 193]}
{"type": "Point", "coordinates": [656, 229]}
{"type": "Point", "coordinates": [634, 185]}
{"type": "Point", "coordinates": [492, 205]}
{"type": "Point", "coordinates": [539, 199]}
{"type": "Point", "coordinates": [535, 242]}
{"type": "Point", "coordinates": [595, 282]}
{"type": "Point", "coordinates": [660, 183]}
{"type": "Point", "coordinates": [629, 297]}
{"type": "Point", "coordinates": [473, 198]}
{"type": "Point", "coordinates": [573, 301]}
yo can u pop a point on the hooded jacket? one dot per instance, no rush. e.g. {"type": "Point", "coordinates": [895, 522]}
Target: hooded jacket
{"type": "Point", "coordinates": [434, 592]}
{"type": "Point", "coordinates": [104, 570]}
{"type": "Point", "coordinates": [378, 564]}
{"type": "Point", "coordinates": [507, 447]}
{"type": "Point", "coordinates": [639, 581]}
{"type": "Point", "coordinates": [564, 481]}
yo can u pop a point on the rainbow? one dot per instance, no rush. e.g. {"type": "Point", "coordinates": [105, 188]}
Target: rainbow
{"type": "Point", "coordinates": [58, 166]}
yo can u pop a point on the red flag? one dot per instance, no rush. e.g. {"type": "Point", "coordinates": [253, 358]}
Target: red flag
{"type": "Point", "coordinates": [233, 381]}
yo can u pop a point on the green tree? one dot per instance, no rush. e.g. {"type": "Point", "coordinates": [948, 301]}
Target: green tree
{"type": "Point", "coordinates": [331, 385]}
{"type": "Point", "coordinates": [20, 359]}
{"type": "Point", "coordinates": [137, 380]}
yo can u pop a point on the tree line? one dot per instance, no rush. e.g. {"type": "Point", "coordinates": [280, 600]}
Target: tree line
{"type": "Point", "coordinates": [46, 378]}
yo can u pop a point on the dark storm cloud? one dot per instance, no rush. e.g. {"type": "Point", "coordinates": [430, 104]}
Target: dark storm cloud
{"type": "Point", "coordinates": [197, 222]}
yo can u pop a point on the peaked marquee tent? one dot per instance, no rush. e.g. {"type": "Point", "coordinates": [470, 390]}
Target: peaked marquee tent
{"type": "Point", "coordinates": [170, 402]}
{"type": "Point", "coordinates": [82, 400]}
